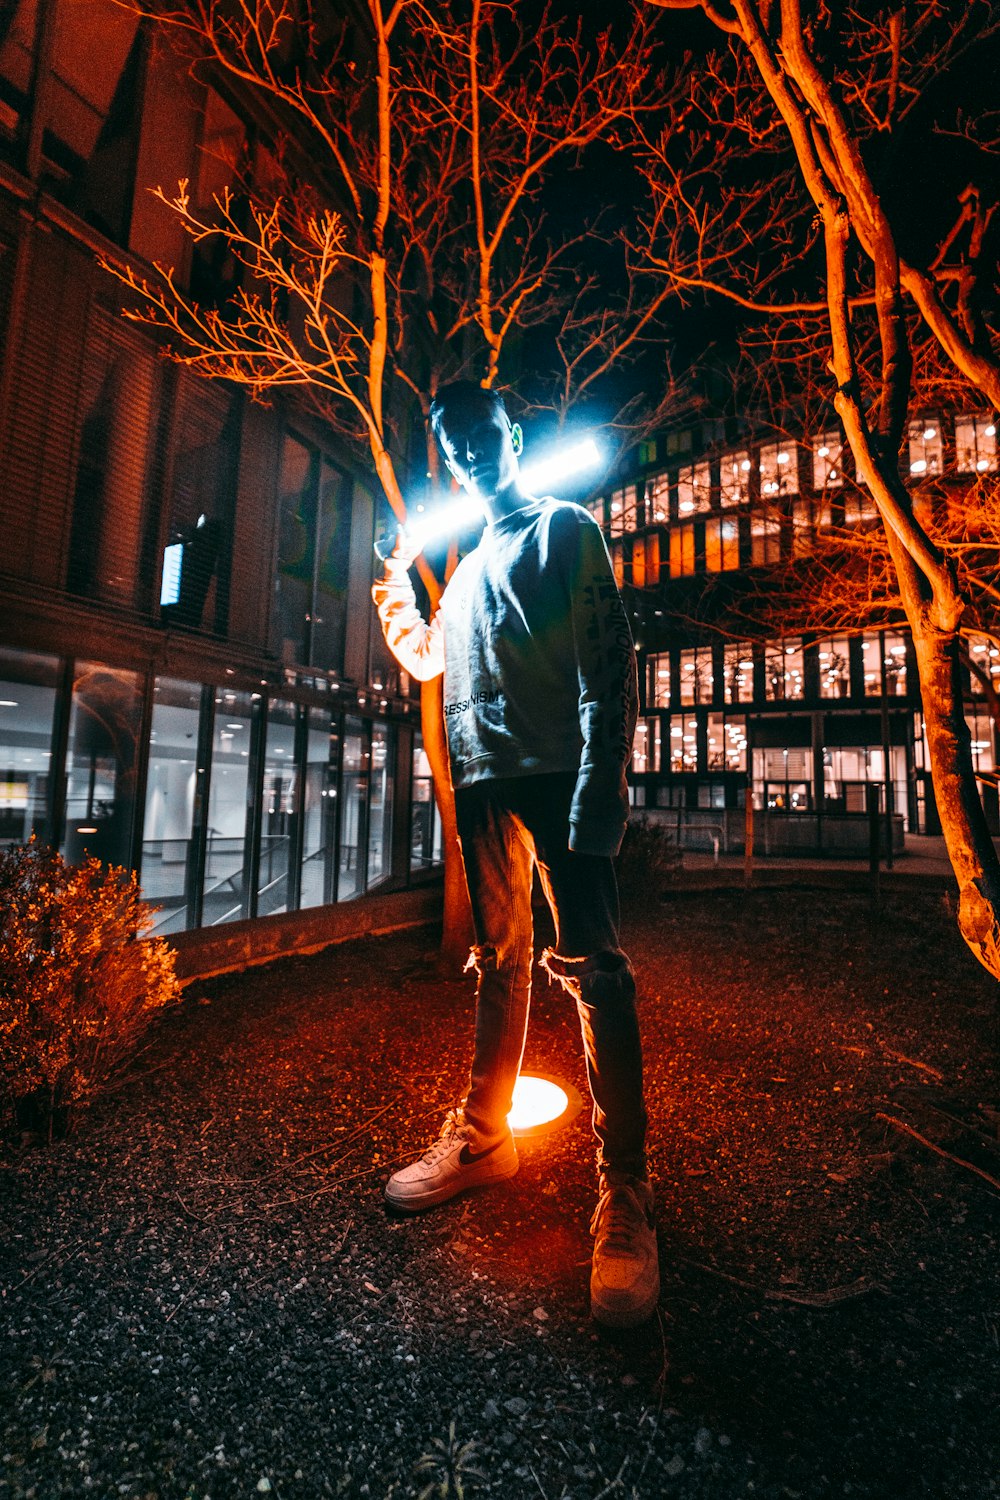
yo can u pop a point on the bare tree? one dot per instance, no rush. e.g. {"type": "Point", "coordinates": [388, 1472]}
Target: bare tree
{"type": "Point", "coordinates": [775, 186]}
{"type": "Point", "coordinates": [407, 241]}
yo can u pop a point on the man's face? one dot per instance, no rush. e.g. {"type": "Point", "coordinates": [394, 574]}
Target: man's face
{"type": "Point", "coordinates": [478, 446]}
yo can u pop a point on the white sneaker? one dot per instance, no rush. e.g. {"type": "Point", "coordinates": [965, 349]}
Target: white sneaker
{"type": "Point", "coordinates": [625, 1278]}
{"type": "Point", "coordinates": [456, 1161]}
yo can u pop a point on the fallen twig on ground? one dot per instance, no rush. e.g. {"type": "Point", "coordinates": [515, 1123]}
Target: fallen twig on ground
{"type": "Point", "coordinates": [826, 1298]}
{"type": "Point", "coordinates": [914, 1062]}
{"type": "Point", "coordinates": [958, 1161]}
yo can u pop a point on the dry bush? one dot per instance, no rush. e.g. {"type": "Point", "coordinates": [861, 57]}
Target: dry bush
{"type": "Point", "coordinates": [77, 988]}
{"type": "Point", "coordinates": [649, 860]}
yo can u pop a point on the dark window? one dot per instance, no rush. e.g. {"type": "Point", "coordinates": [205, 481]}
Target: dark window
{"type": "Point", "coordinates": [313, 558]}
{"type": "Point", "coordinates": [196, 572]}
{"type": "Point", "coordinates": [120, 411]}
{"type": "Point", "coordinates": [93, 96]}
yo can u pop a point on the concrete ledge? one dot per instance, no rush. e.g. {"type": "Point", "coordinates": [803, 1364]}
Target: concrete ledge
{"type": "Point", "coordinates": [237, 945]}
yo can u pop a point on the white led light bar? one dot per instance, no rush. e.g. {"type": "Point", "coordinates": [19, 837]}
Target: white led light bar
{"type": "Point", "coordinates": [549, 472]}
{"type": "Point", "coordinates": [456, 514]}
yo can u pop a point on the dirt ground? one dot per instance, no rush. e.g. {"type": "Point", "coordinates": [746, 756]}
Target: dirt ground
{"type": "Point", "coordinates": [203, 1296]}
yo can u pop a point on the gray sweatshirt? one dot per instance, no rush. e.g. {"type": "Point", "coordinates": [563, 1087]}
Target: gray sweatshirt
{"type": "Point", "coordinates": [538, 661]}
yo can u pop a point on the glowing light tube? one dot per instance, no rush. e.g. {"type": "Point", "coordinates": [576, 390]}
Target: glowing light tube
{"type": "Point", "coordinates": [548, 472]}
{"type": "Point", "coordinates": [456, 514]}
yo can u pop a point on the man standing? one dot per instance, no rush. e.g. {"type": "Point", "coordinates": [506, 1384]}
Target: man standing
{"type": "Point", "coordinates": [540, 706]}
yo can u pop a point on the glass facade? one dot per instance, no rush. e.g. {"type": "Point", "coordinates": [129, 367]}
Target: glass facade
{"type": "Point", "coordinates": [925, 446]}
{"type": "Point", "coordinates": [734, 477]}
{"type": "Point", "coordinates": [317, 886]}
{"type": "Point", "coordinates": [883, 655]}
{"type": "Point", "coordinates": [226, 801]}
{"type": "Point", "coordinates": [425, 826]}
{"type": "Point", "coordinates": [658, 679]}
{"type": "Point", "coordinates": [834, 658]}
{"type": "Point", "coordinates": [27, 706]}
{"type": "Point", "coordinates": [102, 762]}
{"type": "Point", "coordinates": [784, 673]}
{"type": "Point", "coordinates": [737, 660]}
{"type": "Point", "coordinates": [277, 866]}
{"type": "Point", "coordinates": [697, 675]}
{"type": "Point", "coordinates": [976, 444]}
{"type": "Point", "coordinates": [228, 859]}
{"type": "Point", "coordinates": [168, 870]}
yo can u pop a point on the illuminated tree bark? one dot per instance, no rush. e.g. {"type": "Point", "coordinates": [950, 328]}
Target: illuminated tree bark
{"type": "Point", "coordinates": [832, 85]}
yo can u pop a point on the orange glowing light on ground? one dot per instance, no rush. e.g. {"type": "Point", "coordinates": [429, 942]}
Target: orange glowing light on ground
{"type": "Point", "coordinates": [541, 1104]}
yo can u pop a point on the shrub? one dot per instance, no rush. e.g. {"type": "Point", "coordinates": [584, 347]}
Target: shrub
{"type": "Point", "coordinates": [649, 860]}
{"type": "Point", "coordinates": [77, 988]}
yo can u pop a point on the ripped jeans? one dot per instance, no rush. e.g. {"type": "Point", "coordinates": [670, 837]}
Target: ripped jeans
{"type": "Point", "coordinates": [507, 827]}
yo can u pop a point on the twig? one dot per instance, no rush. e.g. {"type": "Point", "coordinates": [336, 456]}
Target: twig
{"type": "Point", "coordinates": [827, 1298]}
{"type": "Point", "coordinates": [966, 1125]}
{"type": "Point", "coordinates": [661, 1391]}
{"type": "Point", "coordinates": [44, 1265]}
{"type": "Point", "coordinates": [914, 1062]}
{"type": "Point", "coordinates": [329, 1187]}
{"type": "Point", "coordinates": [331, 1146]}
{"type": "Point", "coordinates": [958, 1161]}
{"type": "Point", "coordinates": [193, 1288]}
{"type": "Point", "coordinates": [616, 1483]}
{"type": "Point", "coordinates": [198, 1218]}
{"type": "Point", "coordinates": [541, 1488]}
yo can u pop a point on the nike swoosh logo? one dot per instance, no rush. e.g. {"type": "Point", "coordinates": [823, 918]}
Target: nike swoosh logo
{"type": "Point", "coordinates": [468, 1157]}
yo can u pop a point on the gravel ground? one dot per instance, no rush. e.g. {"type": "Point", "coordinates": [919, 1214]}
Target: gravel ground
{"type": "Point", "coordinates": [203, 1295]}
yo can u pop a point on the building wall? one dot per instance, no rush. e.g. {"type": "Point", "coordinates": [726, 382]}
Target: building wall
{"type": "Point", "coordinates": [806, 722]}
{"type": "Point", "coordinates": [192, 682]}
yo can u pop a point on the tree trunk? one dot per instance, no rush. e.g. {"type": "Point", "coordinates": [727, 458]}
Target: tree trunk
{"type": "Point", "coordinates": [963, 822]}
{"type": "Point", "coordinates": [457, 935]}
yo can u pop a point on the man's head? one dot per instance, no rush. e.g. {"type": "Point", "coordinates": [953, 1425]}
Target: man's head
{"type": "Point", "coordinates": [479, 442]}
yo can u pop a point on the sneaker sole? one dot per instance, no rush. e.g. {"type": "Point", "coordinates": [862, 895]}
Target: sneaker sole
{"type": "Point", "coordinates": [416, 1202]}
{"type": "Point", "coordinates": [624, 1317]}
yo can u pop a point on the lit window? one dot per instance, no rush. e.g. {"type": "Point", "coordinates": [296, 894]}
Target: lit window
{"type": "Point", "coordinates": [765, 536]}
{"type": "Point", "coordinates": [738, 672]}
{"type": "Point", "coordinates": [827, 453]}
{"type": "Point", "coordinates": [783, 669]}
{"type": "Point", "coordinates": [651, 547]}
{"type": "Point", "coordinates": [981, 733]}
{"type": "Point", "coordinates": [888, 648]}
{"type": "Point", "coordinates": [984, 660]}
{"type": "Point", "coordinates": [808, 518]}
{"type": "Point", "coordinates": [681, 550]}
{"type": "Point", "coordinates": [925, 447]}
{"type": "Point", "coordinates": [646, 746]}
{"type": "Point", "coordinates": [638, 562]}
{"type": "Point", "coordinates": [779, 473]}
{"type": "Point", "coordinates": [834, 657]}
{"type": "Point", "coordinates": [683, 744]}
{"type": "Point", "coordinates": [697, 675]}
{"type": "Point", "coordinates": [722, 544]}
{"type": "Point", "coordinates": [622, 510]}
{"type": "Point", "coordinates": [727, 743]}
{"type": "Point", "coordinates": [859, 506]}
{"type": "Point", "coordinates": [658, 680]}
{"type": "Point", "coordinates": [734, 477]}
{"type": "Point", "coordinates": [618, 564]}
{"type": "Point", "coordinates": [694, 489]}
{"type": "Point", "coordinates": [658, 498]}
{"type": "Point", "coordinates": [975, 444]}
